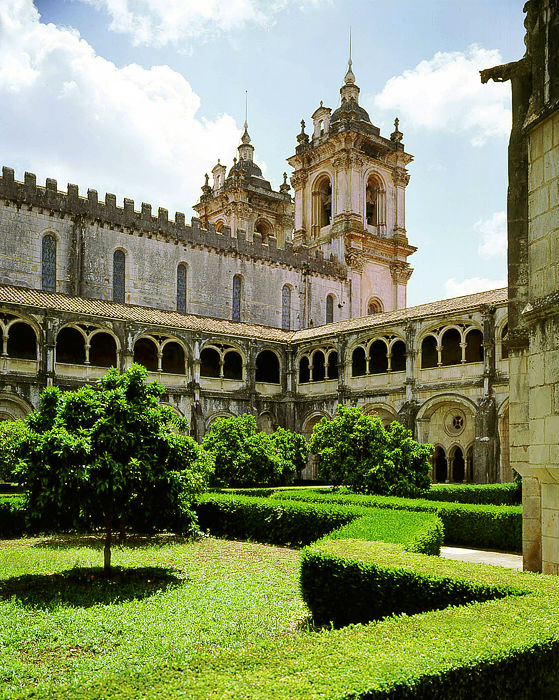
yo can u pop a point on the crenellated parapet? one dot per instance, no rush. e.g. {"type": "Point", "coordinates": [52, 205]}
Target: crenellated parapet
{"type": "Point", "coordinates": [145, 223]}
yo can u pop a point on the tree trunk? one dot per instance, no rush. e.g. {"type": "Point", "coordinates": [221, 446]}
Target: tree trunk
{"type": "Point", "coordinates": [108, 540]}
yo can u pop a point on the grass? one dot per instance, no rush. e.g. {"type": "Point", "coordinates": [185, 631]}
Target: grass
{"type": "Point", "coordinates": [63, 624]}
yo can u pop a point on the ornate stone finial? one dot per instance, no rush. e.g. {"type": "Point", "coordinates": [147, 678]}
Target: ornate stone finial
{"type": "Point", "coordinates": [234, 161]}
{"type": "Point", "coordinates": [321, 103]}
{"type": "Point", "coordinates": [206, 189]}
{"type": "Point", "coordinates": [302, 137]}
{"type": "Point", "coordinates": [396, 135]}
{"type": "Point", "coordinates": [284, 187]}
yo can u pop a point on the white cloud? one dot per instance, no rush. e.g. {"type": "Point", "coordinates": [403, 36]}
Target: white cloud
{"type": "Point", "coordinates": [454, 288]}
{"type": "Point", "coordinates": [162, 22]}
{"type": "Point", "coordinates": [445, 93]}
{"type": "Point", "coordinates": [493, 235]}
{"type": "Point", "coordinates": [75, 116]}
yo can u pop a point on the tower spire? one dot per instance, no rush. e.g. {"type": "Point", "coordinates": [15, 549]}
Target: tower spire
{"type": "Point", "coordinates": [349, 77]}
{"type": "Point", "coordinates": [246, 110]}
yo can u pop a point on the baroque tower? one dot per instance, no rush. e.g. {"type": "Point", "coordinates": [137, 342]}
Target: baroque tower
{"type": "Point", "coordinates": [244, 200]}
{"type": "Point", "coordinates": [349, 184]}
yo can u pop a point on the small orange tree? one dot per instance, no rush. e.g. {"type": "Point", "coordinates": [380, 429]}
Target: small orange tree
{"type": "Point", "coordinates": [356, 450]}
{"type": "Point", "coordinates": [102, 454]}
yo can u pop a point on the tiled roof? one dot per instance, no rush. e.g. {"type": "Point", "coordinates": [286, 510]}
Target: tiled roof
{"type": "Point", "coordinates": [37, 299]}
{"type": "Point", "coordinates": [434, 308]}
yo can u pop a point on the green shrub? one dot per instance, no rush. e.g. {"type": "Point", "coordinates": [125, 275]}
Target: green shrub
{"type": "Point", "coordinates": [11, 435]}
{"type": "Point", "coordinates": [489, 527]}
{"type": "Point", "coordinates": [289, 522]}
{"type": "Point", "coordinates": [245, 456]}
{"type": "Point", "coordinates": [12, 516]}
{"type": "Point", "coordinates": [344, 582]}
{"type": "Point", "coordinates": [355, 450]}
{"type": "Point", "coordinates": [479, 494]}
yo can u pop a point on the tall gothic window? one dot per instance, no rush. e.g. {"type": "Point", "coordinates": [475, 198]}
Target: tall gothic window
{"type": "Point", "coordinates": [48, 271]}
{"type": "Point", "coordinates": [329, 309]}
{"type": "Point", "coordinates": [286, 308]}
{"type": "Point", "coordinates": [236, 314]}
{"type": "Point", "coordinates": [119, 273]}
{"type": "Point", "coordinates": [181, 288]}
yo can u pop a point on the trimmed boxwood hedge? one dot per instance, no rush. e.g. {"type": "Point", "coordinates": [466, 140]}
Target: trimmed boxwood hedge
{"type": "Point", "coordinates": [12, 516]}
{"type": "Point", "coordinates": [483, 526]}
{"type": "Point", "coordinates": [354, 581]}
{"type": "Point", "coordinates": [479, 494]}
{"type": "Point", "coordinates": [290, 522]}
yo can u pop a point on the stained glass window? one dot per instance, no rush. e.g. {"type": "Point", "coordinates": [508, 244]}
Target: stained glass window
{"type": "Point", "coordinates": [329, 309]}
{"type": "Point", "coordinates": [48, 281]}
{"type": "Point", "coordinates": [181, 288]}
{"type": "Point", "coordinates": [286, 308]}
{"type": "Point", "coordinates": [119, 271]}
{"type": "Point", "coordinates": [236, 315]}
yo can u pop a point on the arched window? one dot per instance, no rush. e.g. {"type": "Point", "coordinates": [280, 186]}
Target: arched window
{"type": "Point", "coordinates": [286, 308]}
{"type": "Point", "coordinates": [48, 268]}
{"type": "Point", "coordinates": [145, 353]}
{"type": "Point", "coordinates": [329, 309]}
{"type": "Point", "coordinates": [371, 203]}
{"type": "Point", "coordinates": [318, 368]}
{"type": "Point", "coordinates": [70, 347]}
{"type": "Point", "coordinates": [267, 367]}
{"type": "Point", "coordinates": [332, 368]}
{"type": "Point", "coordinates": [232, 365]}
{"type": "Point", "coordinates": [209, 363]}
{"type": "Point", "coordinates": [374, 202]}
{"type": "Point", "coordinates": [378, 360]}
{"type": "Point", "coordinates": [504, 347]}
{"type": "Point", "coordinates": [429, 354]}
{"type": "Point", "coordinates": [102, 350]}
{"type": "Point", "coordinates": [119, 275]}
{"type": "Point", "coordinates": [181, 288]}
{"type": "Point", "coordinates": [219, 227]}
{"type": "Point", "coordinates": [358, 362]}
{"type": "Point", "coordinates": [374, 307]}
{"type": "Point", "coordinates": [458, 465]}
{"type": "Point", "coordinates": [474, 346]}
{"type": "Point", "coordinates": [264, 228]}
{"type": "Point", "coordinates": [398, 356]}
{"type": "Point", "coordinates": [172, 358]}
{"type": "Point", "coordinates": [304, 372]}
{"type": "Point", "coordinates": [321, 205]}
{"type": "Point", "coordinates": [22, 341]}
{"type": "Point", "coordinates": [451, 353]}
{"type": "Point", "coordinates": [237, 284]}
{"type": "Point", "coordinates": [439, 464]}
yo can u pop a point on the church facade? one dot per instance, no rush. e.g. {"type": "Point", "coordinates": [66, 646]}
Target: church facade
{"type": "Point", "coordinates": [278, 305]}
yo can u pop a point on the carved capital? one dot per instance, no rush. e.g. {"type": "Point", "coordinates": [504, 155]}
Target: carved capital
{"type": "Point", "coordinates": [298, 180]}
{"type": "Point", "coordinates": [400, 177]}
{"type": "Point", "coordinates": [400, 271]}
{"type": "Point", "coordinates": [355, 260]}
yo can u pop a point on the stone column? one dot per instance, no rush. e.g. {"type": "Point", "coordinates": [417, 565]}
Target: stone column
{"type": "Point", "coordinates": [485, 442]}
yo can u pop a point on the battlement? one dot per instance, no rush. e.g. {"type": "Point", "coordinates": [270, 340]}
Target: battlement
{"type": "Point", "coordinates": [144, 222]}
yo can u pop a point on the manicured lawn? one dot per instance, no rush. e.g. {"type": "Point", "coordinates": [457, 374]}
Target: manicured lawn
{"type": "Point", "coordinates": [173, 603]}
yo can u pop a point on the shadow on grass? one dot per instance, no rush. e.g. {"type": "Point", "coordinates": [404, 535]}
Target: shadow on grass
{"type": "Point", "coordinates": [133, 541]}
{"type": "Point", "coordinates": [87, 586]}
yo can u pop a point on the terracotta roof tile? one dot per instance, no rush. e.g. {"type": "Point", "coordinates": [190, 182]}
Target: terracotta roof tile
{"type": "Point", "coordinates": [434, 308]}
{"type": "Point", "coordinates": [38, 299]}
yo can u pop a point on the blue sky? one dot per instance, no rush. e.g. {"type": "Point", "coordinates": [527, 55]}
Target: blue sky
{"type": "Point", "coordinates": [140, 98]}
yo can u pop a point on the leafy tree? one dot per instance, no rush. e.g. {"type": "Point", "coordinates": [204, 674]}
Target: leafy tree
{"type": "Point", "coordinates": [294, 450]}
{"type": "Point", "coordinates": [11, 435]}
{"type": "Point", "coordinates": [245, 456]}
{"type": "Point", "coordinates": [107, 453]}
{"type": "Point", "coordinates": [355, 450]}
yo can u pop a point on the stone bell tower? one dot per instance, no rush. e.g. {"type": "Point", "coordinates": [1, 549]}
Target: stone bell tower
{"type": "Point", "coordinates": [349, 184]}
{"type": "Point", "coordinates": [244, 200]}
